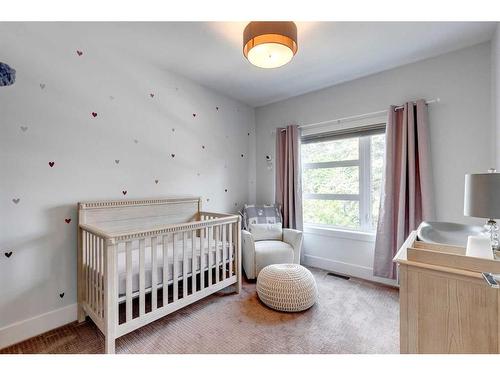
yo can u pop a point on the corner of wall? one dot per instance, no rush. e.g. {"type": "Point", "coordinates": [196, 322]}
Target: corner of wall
{"type": "Point", "coordinates": [495, 97]}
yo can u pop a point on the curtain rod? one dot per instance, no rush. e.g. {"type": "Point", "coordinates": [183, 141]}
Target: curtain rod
{"type": "Point", "coordinates": [437, 100]}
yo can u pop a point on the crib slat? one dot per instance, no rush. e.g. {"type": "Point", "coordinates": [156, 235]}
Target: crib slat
{"type": "Point", "coordinates": [210, 239]}
{"type": "Point", "coordinates": [87, 265]}
{"type": "Point", "coordinates": [154, 273]}
{"type": "Point", "coordinates": [101, 271]}
{"type": "Point", "coordinates": [142, 277]}
{"type": "Point", "coordinates": [184, 265]}
{"type": "Point", "coordinates": [175, 279]}
{"type": "Point", "coordinates": [217, 258]}
{"type": "Point", "coordinates": [230, 250]}
{"type": "Point", "coordinates": [128, 303]}
{"type": "Point", "coordinates": [202, 259]}
{"type": "Point", "coordinates": [103, 244]}
{"type": "Point", "coordinates": [193, 262]}
{"type": "Point", "coordinates": [224, 245]}
{"type": "Point", "coordinates": [91, 246]}
{"type": "Point", "coordinates": [165, 270]}
{"type": "Point", "coordinates": [94, 278]}
{"type": "Point", "coordinates": [98, 276]}
{"type": "Point", "coordinates": [101, 277]}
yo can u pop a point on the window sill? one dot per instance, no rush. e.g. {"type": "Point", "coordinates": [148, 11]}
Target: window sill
{"type": "Point", "coordinates": [340, 233]}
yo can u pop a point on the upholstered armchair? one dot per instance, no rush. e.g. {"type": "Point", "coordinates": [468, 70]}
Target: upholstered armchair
{"type": "Point", "coordinates": [264, 240]}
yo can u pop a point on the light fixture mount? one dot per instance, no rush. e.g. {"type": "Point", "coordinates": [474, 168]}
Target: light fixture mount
{"type": "Point", "coordinates": [269, 44]}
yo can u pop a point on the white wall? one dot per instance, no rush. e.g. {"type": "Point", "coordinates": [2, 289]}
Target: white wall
{"type": "Point", "coordinates": [495, 96]}
{"type": "Point", "coordinates": [60, 128]}
{"type": "Point", "coordinates": [460, 133]}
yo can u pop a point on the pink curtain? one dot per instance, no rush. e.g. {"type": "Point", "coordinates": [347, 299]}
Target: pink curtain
{"type": "Point", "coordinates": [407, 197]}
{"type": "Point", "coordinates": [288, 179]}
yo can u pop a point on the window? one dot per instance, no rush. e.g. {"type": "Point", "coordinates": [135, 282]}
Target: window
{"type": "Point", "coordinates": [342, 177]}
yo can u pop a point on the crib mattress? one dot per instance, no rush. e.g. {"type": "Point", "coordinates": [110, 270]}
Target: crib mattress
{"type": "Point", "coordinates": [122, 265]}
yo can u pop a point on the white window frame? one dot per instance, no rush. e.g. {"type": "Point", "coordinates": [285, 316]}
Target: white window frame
{"type": "Point", "coordinates": [363, 196]}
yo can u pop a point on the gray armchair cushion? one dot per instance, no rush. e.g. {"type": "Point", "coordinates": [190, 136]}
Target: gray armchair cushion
{"type": "Point", "coordinates": [262, 232]}
{"type": "Point", "coordinates": [260, 214]}
{"type": "Point", "coordinates": [272, 252]}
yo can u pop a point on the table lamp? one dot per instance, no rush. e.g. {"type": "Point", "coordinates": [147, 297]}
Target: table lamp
{"type": "Point", "coordinates": [482, 199]}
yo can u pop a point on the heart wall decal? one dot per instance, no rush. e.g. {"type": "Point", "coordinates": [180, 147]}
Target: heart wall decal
{"type": "Point", "coordinates": [156, 182]}
{"type": "Point", "coordinates": [117, 161]}
{"type": "Point", "coordinates": [94, 114]}
{"type": "Point", "coordinates": [16, 200]}
{"type": "Point", "coordinates": [52, 163]}
{"type": "Point", "coordinates": [67, 220]}
{"type": "Point", "coordinates": [79, 53]}
{"type": "Point", "coordinates": [42, 85]}
{"type": "Point", "coordinates": [152, 95]}
{"type": "Point", "coordinates": [8, 254]}
{"type": "Point", "coordinates": [61, 295]}
{"type": "Point", "coordinates": [124, 192]}
{"type": "Point", "coordinates": [24, 128]}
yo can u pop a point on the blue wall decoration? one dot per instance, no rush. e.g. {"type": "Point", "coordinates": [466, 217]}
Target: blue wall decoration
{"type": "Point", "coordinates": [7, 75]}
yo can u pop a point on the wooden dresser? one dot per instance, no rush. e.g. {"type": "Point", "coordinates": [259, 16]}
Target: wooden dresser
{"type": "Point", "coordinates": [445, 304]}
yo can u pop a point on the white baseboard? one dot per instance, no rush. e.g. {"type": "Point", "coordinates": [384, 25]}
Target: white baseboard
{"type": "Point", "coordinates": [37, 325]}
{"type": "Point", "coordinates": [348, 269]}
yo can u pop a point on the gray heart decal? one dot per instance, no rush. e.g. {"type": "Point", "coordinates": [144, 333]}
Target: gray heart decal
{"type": "Point", "coordinates": [16, 200]}
{"type": "Point", "coordinates": [117, 161]}
{"type": "Point", "coordinates": [24, 128]}
{"type": "Point", "coordinates": [42, 85]}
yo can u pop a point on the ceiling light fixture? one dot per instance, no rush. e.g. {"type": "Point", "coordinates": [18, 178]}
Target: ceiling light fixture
{"type": "Point", "coordinates": [270, 44]}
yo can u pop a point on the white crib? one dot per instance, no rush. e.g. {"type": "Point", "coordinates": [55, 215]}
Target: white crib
{"type": "Point", "coordinates": [139, 260]}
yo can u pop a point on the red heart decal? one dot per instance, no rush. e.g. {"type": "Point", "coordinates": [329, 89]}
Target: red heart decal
{"type": "Point", "coordinates": [94, 114]}
{"type": "Point", "coordinates": [51, 163]}
{"type": "Point", "coordinates": [152, 95]}
{"type": "Point", "coordinates": [79, 53]}
{"type": "Point", "coordinates": [67, 220]}
{"type": "Point", "coordinates": [124, 192]}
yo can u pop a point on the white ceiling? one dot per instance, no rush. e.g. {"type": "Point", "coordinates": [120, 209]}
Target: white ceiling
{"type": "Point", "coordinates": [210, 53]}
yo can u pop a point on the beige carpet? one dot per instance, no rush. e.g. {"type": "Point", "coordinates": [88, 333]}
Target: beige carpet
{"type": "Point", "coordinates": [352, 316]}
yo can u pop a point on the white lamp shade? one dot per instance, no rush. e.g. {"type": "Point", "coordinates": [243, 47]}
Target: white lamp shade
{"type": "Point", "coordinates": [482, 195]}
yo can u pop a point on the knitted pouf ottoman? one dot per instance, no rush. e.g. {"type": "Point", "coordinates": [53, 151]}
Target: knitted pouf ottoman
{"type": "Point", "coordinates": [287, 287]}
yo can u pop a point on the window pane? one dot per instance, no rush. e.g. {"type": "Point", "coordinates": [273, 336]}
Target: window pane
{"type": "Point", "coordinates": [377, 169]}
{"type": "Point", "coordinates": [342, 180]}
{"type": "Point", "coordinates": [330, 212]}
{"type": "Point", "coordinates": [341, 149]}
